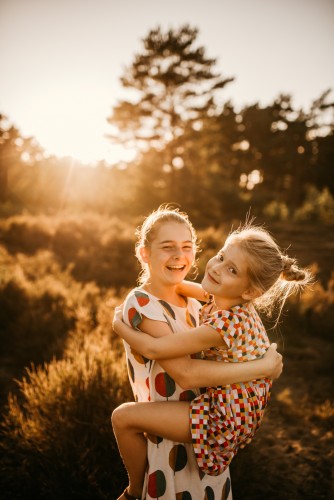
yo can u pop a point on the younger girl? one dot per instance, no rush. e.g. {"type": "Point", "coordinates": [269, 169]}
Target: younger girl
{"type": "Point", "coordinates": [249, 271]}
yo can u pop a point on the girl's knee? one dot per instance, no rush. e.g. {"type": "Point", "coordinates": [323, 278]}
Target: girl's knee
{"type": "Point", "coordinates": [121, 416]}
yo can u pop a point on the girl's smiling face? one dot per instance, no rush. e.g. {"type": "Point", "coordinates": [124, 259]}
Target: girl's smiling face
{"type": "Point", "coordinates": [171, 253]}
{"type": "Point", "coordinates": [226, 277]}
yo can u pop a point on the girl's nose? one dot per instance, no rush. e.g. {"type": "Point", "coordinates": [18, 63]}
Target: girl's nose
{"type": "Point", "coordinates": [178, 251]}
{"type": "Point", "coordinates": [217, 268]}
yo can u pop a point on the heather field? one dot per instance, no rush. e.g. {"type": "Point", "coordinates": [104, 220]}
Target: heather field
{"type": "Point", "coordinates": [63, 371]}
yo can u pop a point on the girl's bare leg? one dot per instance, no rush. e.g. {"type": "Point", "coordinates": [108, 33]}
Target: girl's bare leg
{"type": "Point", "coordinates": [169, 420]}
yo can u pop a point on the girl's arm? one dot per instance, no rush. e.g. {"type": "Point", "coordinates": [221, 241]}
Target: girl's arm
{"type": "Point", "coordinates": [192, 289]}
{"type": "Point", "coordinates": [169, 346]}
{"type": "Point", "coordinates": [189, 373]}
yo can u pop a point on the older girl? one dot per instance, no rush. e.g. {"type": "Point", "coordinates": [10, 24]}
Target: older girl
{"type": "Point", "coordinates": [166, 249]}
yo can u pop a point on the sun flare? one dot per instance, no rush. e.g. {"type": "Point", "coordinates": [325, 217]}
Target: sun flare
{"type": "Point", "coordinates": [83, 143]}
{"type": "Point", "coordinates": [72, 124]}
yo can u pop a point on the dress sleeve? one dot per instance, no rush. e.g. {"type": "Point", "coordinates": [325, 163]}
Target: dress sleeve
{"type": "Point", "coordinates": [226, 323]}
{"type": "Point", "coordinates": [138, 304]}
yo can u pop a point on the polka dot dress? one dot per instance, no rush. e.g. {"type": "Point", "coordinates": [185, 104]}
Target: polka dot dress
{"type": "Point", "coordinates": [224, 417]}
{"type": "Point", "coordinates": [172, 472]}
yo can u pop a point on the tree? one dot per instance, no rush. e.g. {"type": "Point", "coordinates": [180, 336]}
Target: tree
{"type": "Point", "coordinates": [324, 162]}
{"type": "Point", "coordinates": [174, 84]}
{"type": "Point", "coordinates": [9, 152]}
{"type": "Point", "coordinates": [321, 134]}
{"type": "Point", "coordinates": [16, 152]}
{"type": "Point", "coordinates": [278, 151]}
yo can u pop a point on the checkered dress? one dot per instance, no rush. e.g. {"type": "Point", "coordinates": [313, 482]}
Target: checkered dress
{"type": "Point", "coordinates": [224, 417]}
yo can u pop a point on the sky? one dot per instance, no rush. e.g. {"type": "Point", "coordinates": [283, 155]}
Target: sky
{"type": "Point", "coordinates": [62, 59]}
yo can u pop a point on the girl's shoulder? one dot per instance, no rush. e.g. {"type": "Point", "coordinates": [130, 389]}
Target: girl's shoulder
{"type": "Point", "coordinates": [138, 295]}
{"type": "Point", "coordinates": [247, 311]}
{"type": "Point", "coordinates": [235, 314]}
{"type": "Point", "coordinates": [241, 311]}
{"type": "Point", "coordinates": [193, 304]}
{"type": "Point", "coordinates": [139, 303]}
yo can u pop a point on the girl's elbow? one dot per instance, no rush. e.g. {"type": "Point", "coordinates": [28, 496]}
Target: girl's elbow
{"type": "Point", "coordinates": [154, 353]}
{"type": "Point", "coordinates": [150, 353]}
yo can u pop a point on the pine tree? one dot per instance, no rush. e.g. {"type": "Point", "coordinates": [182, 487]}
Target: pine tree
{"type": "Point", "coordinates": [174, 84]}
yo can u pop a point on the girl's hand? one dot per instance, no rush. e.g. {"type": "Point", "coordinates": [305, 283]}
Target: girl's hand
{"type": "Point", "coordinates": [118, 316]}
{"type": "Point", "coordinates": [192, 289]}
{"type": "Point", "coordinates": [274, 362]}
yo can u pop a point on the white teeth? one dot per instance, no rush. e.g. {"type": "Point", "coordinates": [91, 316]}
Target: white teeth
{"type": "Point", "coordinates": [179, 268]}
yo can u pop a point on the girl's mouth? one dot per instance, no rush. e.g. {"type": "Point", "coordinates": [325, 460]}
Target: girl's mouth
{"type": "Point", "coordinates": [212, 279]}
{"type": "Point", "coordinates": [176, 268]}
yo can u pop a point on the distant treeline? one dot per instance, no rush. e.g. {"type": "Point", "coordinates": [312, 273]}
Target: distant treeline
{"type": "Point", "coordinates": [194, 149]}
{"type": "Point", "coordinates": [282, 173]}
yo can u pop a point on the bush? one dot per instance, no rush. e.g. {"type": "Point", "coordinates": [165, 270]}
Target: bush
{"type": "Point", "coordinates": [318, 206]}
{"type": "Point", "coordinates": [26, 233]}
{"type": "Point", "coordinates": [316, 309]}
{"type": "Point", "coordinates": [38, 307]}
{"type": "Point", "coordinates": [42, 309]}
{"type": "Point", "coordinates": [100, 250]}
{"type": "Point", "coordinates": [58, 441]}
{"type": "Point", "coordinates": [93, 247]}
{"type": "Point", "coordinates": [276, 210]}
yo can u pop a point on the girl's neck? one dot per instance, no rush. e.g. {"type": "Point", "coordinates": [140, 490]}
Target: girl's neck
{"type": "Point", "coordinates": [167, 293]}
{"type": "Point", "coordinates": [222, 303]}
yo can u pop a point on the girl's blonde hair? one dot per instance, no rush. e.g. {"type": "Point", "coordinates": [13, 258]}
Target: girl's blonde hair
{"type": "Point", "coordinates": [273, 274]}
{"type": "Point", "coordinates": [148, 230]}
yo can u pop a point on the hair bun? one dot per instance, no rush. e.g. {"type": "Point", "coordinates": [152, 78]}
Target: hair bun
{"type": "Point", "coordinates": [287, 262]}
{"type": "Point", "coordinates": [290, 271]}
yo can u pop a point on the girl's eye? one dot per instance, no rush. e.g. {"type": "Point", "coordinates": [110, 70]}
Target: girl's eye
{"type": "Point", "coordinates": [170, 247]}
{"type": "Point", "coordinates": [232, 270]}
{"type": "Point", "coordinates": [220, 257]}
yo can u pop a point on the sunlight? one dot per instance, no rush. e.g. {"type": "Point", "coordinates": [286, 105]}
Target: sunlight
{"type": "Point", "coordinates": [117, 153]}
{"type": "Point", "coordinates": [80, 142]}
{"type": "Point", "coordinates": [249, 181]}
{"type": "Point", "coordinates": [72, 122]}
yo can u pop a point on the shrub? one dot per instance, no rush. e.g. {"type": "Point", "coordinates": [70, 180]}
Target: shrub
{"type": "Point", "coordinates": [26, 233]}
{"type": "Point", "coordinates": [58, 441]}
{"type": "Point", "coordinates": [37, 308]}
{"type": "Point", "coordinates": [316, 309]}
{"type": "Point", "coordinates": [98, 248]}
{"type": "Point", "coordinates": [318, 206]}
{"type": "Point", "coordinates": [92, 246]}
{"type": "Point", "coordinates": [40, 305]}
{"type": "Point", "coordinates": [276, 210]}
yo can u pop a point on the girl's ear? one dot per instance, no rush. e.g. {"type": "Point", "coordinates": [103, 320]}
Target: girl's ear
{"type": "Point", "coordinates": [144, 254]}
{"type": "Point", "coordinates": [251, 294]}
